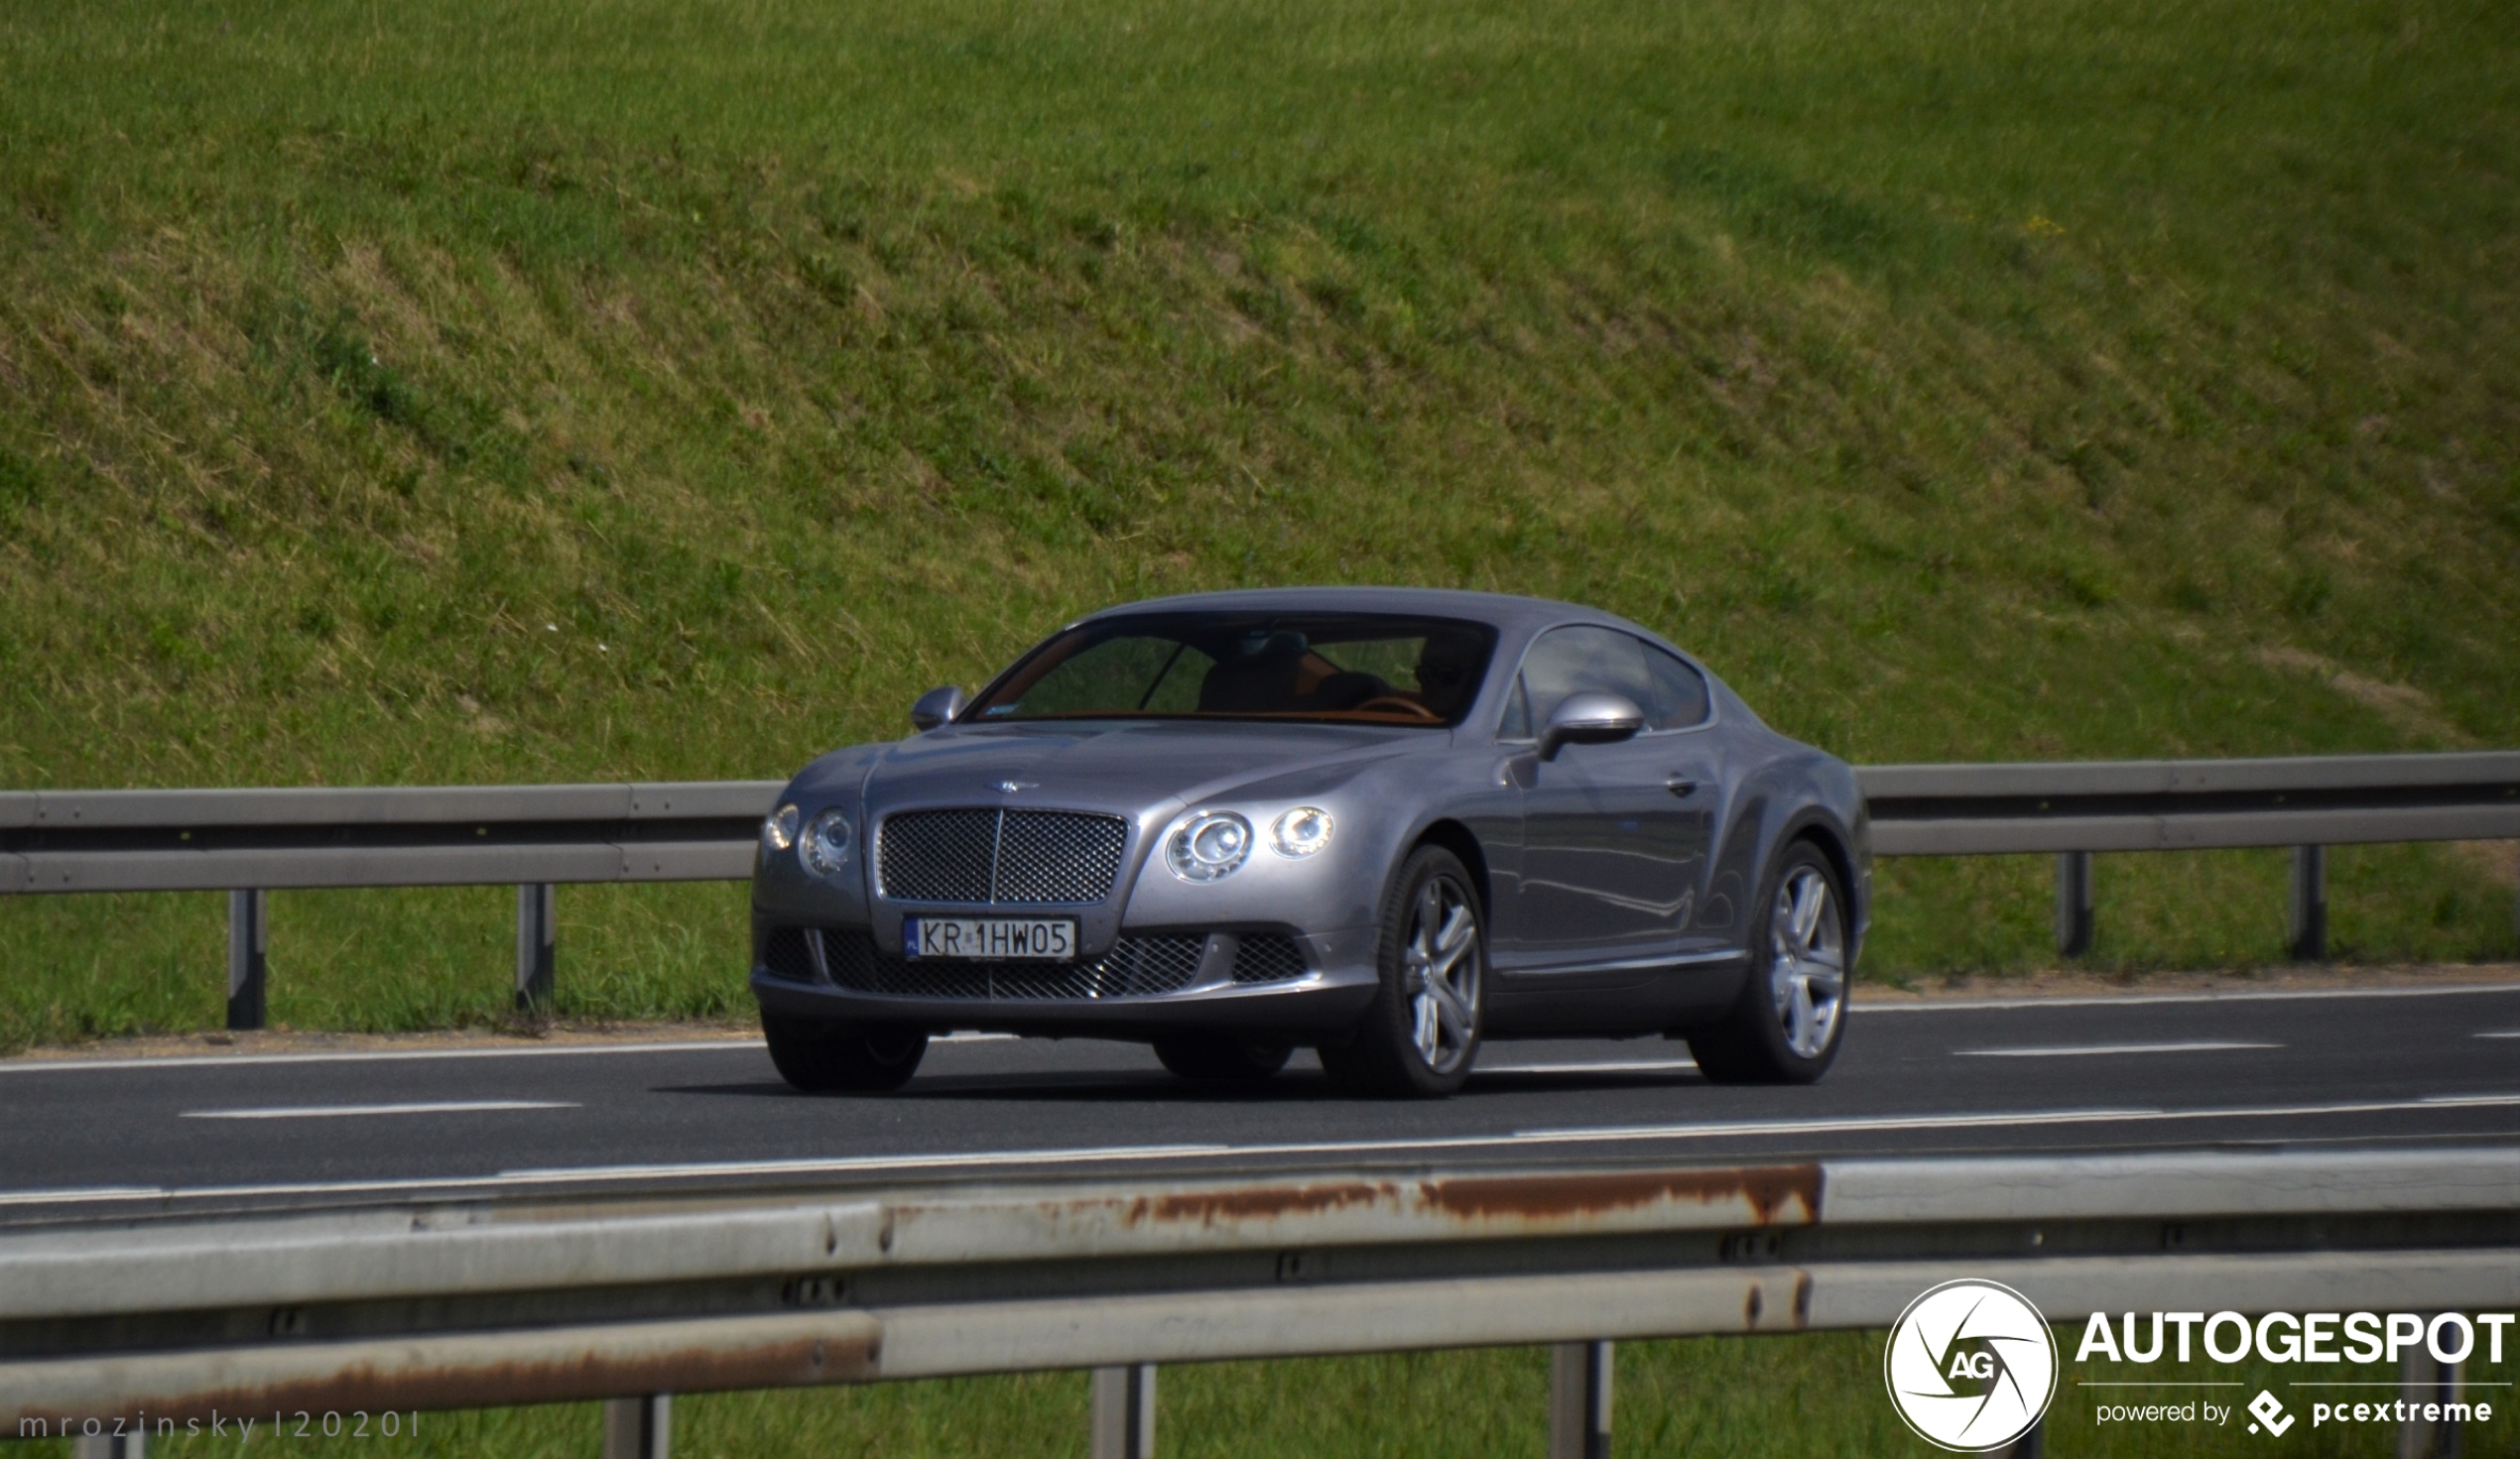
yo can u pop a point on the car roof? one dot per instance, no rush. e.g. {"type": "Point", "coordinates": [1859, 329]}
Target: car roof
{"type": "Point", "coordinates": [1510, 614]}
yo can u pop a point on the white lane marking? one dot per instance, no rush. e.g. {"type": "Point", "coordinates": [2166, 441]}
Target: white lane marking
{"type": "Point", "coordinates": [1521, 1140]}
{"type": "Point", "coordinates": [2024, 1117]}
{"type": "Point", "coordinates": [342, 1111]}
{"type": "Point", "coordinates": [395, 1055]}
{"type": "Point", "coordinates": [2132, 1000]}
{"type": "Point", "coordinates": [99, 1193]}
{"type": "Point", "coordinates": [1630, 1067]}
{"type": "Point", "coordinates": [375, 1055]}
{"type": "Point", "coordinates": [2062, 1050]}
{"type": "Point", "coordinates": [2501, 1034]}
{"type": "Point", "coordinates": [695, 1045]}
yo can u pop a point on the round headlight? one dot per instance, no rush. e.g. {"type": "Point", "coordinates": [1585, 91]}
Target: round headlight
{"type": "Point", "coordinates": [1210, 846]}
{"type": "Point", "coordinates": [1300, 831]}
{"type": "Point", "coordinates": [823, 848]}
{"type": "Point", "coordinates": [778, 828]}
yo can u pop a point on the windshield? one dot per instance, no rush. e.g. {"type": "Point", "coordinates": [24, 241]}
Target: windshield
{"type": "Point", "coordinates": [1350, 668]}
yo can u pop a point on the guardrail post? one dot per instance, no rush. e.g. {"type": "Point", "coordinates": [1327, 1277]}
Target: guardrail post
{"type": "Point", "coordinates": [537, 934]}
{"type": "Point", "coordinates": [2424, 1379]}
{"type": "Point", "coordinates": [1124, 1412]}
{"type": "Point", "coordinates": [2074, 903]}
{"type": "Point", "coordinates": [2310, 903]}
{"type": "Point", "coordinates": [1580, 1400]}
{"type": "Point", "coordinates": [111, 1446]}
{"type": "Point", "coordinates": [638, 1428]}
{"type": "Point", "coordinates": [248, 948]}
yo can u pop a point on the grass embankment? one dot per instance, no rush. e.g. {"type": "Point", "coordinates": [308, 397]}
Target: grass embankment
{"type": "Point", "coordinates": [484, 392]}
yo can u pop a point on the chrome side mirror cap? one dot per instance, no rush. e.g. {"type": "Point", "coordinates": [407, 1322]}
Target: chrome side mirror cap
{"type": "Point", "coordinates": [1589, 718]}
{"type": "Point", "coordinates": [935, 707]}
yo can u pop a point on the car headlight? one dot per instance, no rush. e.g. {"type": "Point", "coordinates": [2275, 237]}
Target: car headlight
{"type": "Point", "coordinates": [1211, 845]}
{"type": "Point", "coordinates": [823, 848]}
{"type": "Point", "coordinates": [1300, 831]}
{"type": "Point", "coordinates": [778, 828]}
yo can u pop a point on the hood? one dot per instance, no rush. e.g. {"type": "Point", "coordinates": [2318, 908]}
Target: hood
{"type": "Point", "coordinates": [1126, 765]}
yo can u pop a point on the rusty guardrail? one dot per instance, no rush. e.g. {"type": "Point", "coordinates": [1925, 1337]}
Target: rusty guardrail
{"type": "Point", "coordinates": [476, 1302]}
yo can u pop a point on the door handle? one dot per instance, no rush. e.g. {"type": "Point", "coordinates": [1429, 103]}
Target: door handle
{"type": "Point", "coordinates": [1681, 785]}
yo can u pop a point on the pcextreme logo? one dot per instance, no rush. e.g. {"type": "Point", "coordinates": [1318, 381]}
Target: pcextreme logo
{"type": "Point", "coordinates": [1971, 1365]}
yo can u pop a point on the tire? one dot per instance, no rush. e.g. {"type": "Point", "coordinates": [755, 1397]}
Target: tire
{"type": "Point", "coordinates": [821, 1058]}
{"type": "Point", "coordinates": [1790, 1017]}
{"type": "Point", "coordinates": [1419, 1036]}
{"type": "Point", "coordinates": [1222, 1058]}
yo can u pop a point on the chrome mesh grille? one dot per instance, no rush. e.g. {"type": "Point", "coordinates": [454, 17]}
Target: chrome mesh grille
{"type": "Point", "coordinates": [999, 856]}
{"type": "Point", "coordinates": [1267, 957]}
{"type": "Point", "coordinates": [1135, 967]}
{"type": "Point", "coordinates": [938, 855]}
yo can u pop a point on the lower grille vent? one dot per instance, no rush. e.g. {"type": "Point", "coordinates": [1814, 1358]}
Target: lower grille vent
{"type": "Point", "coordinates": [784, 955]}
{"type": "Point", "coordinates": [1267, 957]}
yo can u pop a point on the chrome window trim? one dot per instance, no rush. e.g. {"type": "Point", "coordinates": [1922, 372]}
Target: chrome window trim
{"type": "Point", "coordinates": [1714, 705]}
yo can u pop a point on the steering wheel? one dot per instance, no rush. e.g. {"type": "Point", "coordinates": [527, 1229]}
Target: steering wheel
{"type": "Point", "coordinates": [1390, 702]}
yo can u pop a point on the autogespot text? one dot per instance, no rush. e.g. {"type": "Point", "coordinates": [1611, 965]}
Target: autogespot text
{"type": "Point", "coordinates": [2307, 1339]}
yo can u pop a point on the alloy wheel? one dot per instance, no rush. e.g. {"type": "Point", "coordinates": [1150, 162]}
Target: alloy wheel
{"type": "Point", "coordinates": [1441, 961]}
{"type": "Point", "coordinates": [1807, 961]}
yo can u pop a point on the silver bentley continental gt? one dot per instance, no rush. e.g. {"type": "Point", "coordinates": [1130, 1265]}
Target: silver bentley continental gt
{"type": "Point", "coordinates": [1386, 823]}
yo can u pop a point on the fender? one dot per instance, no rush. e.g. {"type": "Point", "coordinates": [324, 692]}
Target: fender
{"type": "Point", "coordinates": [1766, 814]}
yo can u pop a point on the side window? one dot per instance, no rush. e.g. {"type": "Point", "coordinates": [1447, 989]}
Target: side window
{"type": "Point", "coordinates": [1569, 661]}
{"type": "Point", "coordinates": [1680, 692]}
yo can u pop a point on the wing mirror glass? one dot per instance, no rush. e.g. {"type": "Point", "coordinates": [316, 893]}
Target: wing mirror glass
{"type": "Point", "coordinates": [935, 707]}
{"type": "Point", "coordinates": [1589, 718]}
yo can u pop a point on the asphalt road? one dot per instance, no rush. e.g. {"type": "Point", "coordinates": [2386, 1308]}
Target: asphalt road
{"type": "Point", "coordinates": [2372, 1067]}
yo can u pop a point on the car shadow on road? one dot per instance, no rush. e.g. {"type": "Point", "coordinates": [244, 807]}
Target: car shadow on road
{"type": "Point", "coordinates": [1133, 1087]}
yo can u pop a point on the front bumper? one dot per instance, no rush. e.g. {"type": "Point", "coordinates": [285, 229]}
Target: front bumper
{"type": "Point", "coordinates": [1330, 993]}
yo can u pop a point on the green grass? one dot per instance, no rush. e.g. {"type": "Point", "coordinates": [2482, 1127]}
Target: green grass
{"type": "Point", "coordinates": [497, 392]}
{"type": "Point", "coordinates": [1765, 1397]}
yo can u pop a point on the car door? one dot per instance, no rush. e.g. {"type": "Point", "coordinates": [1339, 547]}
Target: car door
{"type": "Point", "coordinates": [1611, 855]}
{"type": "Point", "coordinates": [1680, 727]}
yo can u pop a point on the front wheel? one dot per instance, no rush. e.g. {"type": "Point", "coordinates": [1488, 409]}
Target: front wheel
{"type": "Point", "coordinates": [1421, 1033]}
{"type": "Point", "coordinates": [819, 1056]}
{"type": "Point", "coordinates": [1790, 1017]}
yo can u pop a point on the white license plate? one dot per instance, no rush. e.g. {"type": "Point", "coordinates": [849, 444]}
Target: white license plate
{"type": "Point", "coordinates": [990, 939]}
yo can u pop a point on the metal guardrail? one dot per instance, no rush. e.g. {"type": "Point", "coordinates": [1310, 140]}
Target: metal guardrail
{"type": "Point", "coordinates": [249, 841]}
{"type": "Point", "coordinates": [2307, 803]}
{"type": "Point", "coordinates": [471, 1303]}
{"type": "Point", "coordinates": [385, 836]}
{"type": "Point", "coordinates": [246, 842]}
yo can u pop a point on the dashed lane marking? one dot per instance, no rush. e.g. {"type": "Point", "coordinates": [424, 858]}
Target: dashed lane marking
{"type": "Point", "coordinates": [351, 1111]}
{"type": "Point", "coordinates": [2067, 1051]}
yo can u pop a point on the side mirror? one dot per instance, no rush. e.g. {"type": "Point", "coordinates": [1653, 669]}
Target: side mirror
{"type": "Point", "coordinates": [1589, 719]}
{"type": "Point", "coordinates": [935, 707]}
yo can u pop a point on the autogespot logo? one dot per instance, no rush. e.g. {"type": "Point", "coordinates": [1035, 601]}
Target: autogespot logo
{"type": "Point", "coordinates": [1971, 1365]}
